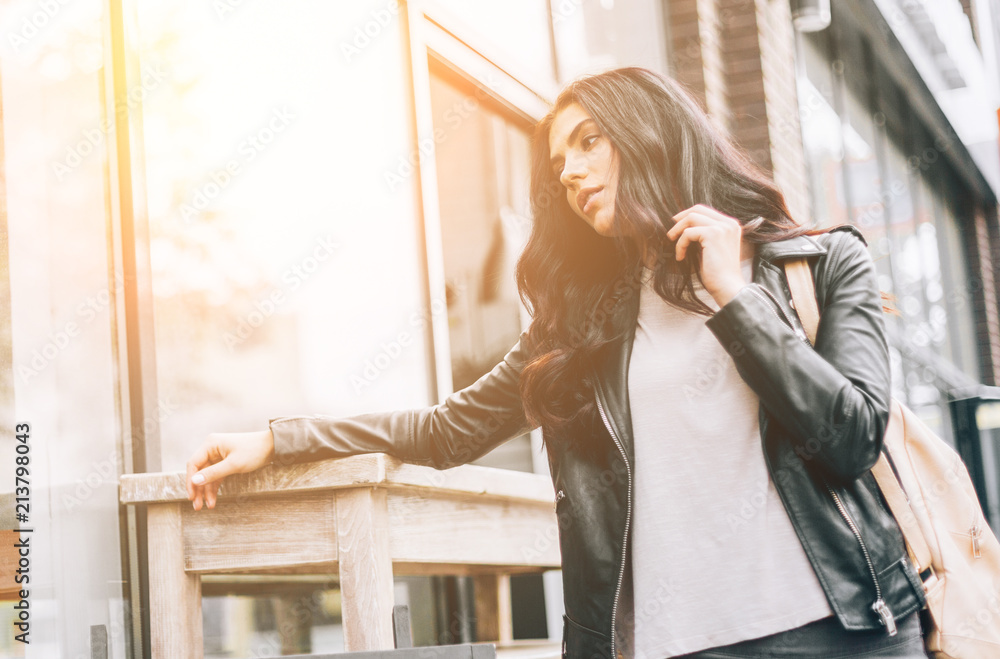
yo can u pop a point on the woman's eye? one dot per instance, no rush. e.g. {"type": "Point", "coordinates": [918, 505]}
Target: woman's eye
{"type": "Point", "coordinates": [591, 138]}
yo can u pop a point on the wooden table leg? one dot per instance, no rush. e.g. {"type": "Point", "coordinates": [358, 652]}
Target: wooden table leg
{"type": "Point", "coordinates": [174, 595]}
{"type": "Point", "coordinates": [494, 620]}
{"type": "Point", "coordinates": [366, 591]}
{"type": "Point", "coordinates": [505, 620]}
{"type": "Point", "coordinates": [487, 601]}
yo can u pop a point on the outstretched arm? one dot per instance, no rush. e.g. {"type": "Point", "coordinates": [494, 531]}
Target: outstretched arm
{"type": "Point", "coordinates": [468, 424]}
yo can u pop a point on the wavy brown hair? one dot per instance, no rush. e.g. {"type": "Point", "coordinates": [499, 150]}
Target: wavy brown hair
{"type": "Point", "coordinates": [669, 158]}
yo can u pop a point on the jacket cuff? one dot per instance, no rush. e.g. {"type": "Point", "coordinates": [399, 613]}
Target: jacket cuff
{"type": "Point", "coordinates": [740, 312]}
{"type": "Point", "coordinates": [309, 438]}
{"type": "Point", "coordinates": [289, 440]}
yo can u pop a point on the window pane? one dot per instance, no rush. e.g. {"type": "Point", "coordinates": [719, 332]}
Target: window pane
{"type": "Point", "coordinates": [864, 177]}
{"type": "Point", "coordinates": [598, 35]}
{"type": "Point", "coordinates": [959, 289]}
{"type": "Point", "coordinates": [906, 256]}
{"type": "Point", "coordinates": [56, 341]}
{"type": "Point", "coordinates": [514, 32]}
{"type": "Point", "coordinates": [284, 247]}
{"type": "Point", "coordinates": [482, 162]}
{"type": "Point", "coordinates": [822, 138]}
{"type": "Point", "coordinates": [865, 187]}
{"type": "Point", "coordinates": [935, 323]}
{"type": "Point", "coordinates": [990, 438]}
{"type": "Point", "coordinates": [922, 394]}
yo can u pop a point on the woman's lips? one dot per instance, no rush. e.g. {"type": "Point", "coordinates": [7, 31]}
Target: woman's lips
{"type": "Point", "coordinates": [585, 198]}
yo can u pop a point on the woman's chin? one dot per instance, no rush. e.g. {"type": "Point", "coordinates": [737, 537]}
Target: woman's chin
{"type": "Point", "coordinates": [600, 224]}
{"type": "Point", "coordinates": [604, 227]}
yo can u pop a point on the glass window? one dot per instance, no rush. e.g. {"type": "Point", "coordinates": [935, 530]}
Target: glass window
{"type": "Point", "coordinates": [482, 156]}
{"type": "Point", "coordinates": [516, 32]}
{"type": "Point", "coordinates": [906, 249]}
{"type": "Point", "coordinates": [913, 235]}
{"type": "Point", "coordinates": [822, 137]}
{"type": "Point", "coordinates": [935, 323]}
{"type": "Point", "coordinates": [959, 287]}
{"type": "Point", "coordinates": [866, 199]}
{"type": "Point", "coordinates": [989, 435]}
{"type": "Point", "coordinates": [909, 251]}
{"type": "Point", "coordinates": [865, 178]}
{"type": "Point", "coordinates": [57, 357]}
{"type": "Point", "coordinates": [482, 161]}
{"type": "Point", "coordinates": [254, 616]}
{"type": "Point", "coordinates": [881, 204]}
{"type": "Point", "coordinates": [284, 245]}
{"type": "Point", "coordinates": [595, 35]}
{"type": "Point", "coordinates": [284, 248]}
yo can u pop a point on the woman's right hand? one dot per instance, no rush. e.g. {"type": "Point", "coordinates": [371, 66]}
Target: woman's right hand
{"type": "Point", "coordinates": [223, 454]}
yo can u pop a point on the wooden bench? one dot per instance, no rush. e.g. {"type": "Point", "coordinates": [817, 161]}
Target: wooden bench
{"type": "Point", "coordinates": [367, 517]}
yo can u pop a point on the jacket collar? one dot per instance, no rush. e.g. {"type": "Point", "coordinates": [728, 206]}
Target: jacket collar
{"type": "Point", "coordinates": [789, 248]}
{"type": "Point", "coordinates": [611, 383]}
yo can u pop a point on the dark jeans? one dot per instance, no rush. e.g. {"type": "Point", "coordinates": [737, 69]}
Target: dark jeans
{"type": "Point", "coordinates": [826, 639]}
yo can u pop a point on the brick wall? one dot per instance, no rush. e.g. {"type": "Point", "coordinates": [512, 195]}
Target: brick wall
{"type": "Point", "coordinates": [776, 38]}
{"type": "Point", "coordinates": [743, 68]}
{"type": "Point", "coordinates": [695, 58]}
{"type": "Point", "coordinates": [992, 222]}
{"type": "Point", "coordinates": [738, 57]}
{"type": "Point", "coordinates": [984, 267]}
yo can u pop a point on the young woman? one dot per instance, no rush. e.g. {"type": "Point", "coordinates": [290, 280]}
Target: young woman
{"type": "Point", "coordinates": [710, 466]}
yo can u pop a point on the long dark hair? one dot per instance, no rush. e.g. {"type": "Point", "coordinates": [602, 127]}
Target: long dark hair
{"type": "Point", "coordinates": [669, 158]}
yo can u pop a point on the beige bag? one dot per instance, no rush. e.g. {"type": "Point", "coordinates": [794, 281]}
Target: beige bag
{"type": "Point", "coordinates": [937, 509]}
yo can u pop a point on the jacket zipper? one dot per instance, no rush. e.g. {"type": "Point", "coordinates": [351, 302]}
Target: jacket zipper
{"type": "Point", "coordinates": [879, 607]}
{"type": "Point", "coordinates": [628, 518]}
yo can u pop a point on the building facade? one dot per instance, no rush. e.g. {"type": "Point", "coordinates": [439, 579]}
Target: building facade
{"type": "Point", "coordinates": [218, 213]}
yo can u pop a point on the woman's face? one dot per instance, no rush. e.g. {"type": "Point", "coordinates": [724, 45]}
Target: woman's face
{"type": "Point", "coordinates": [586, 164]}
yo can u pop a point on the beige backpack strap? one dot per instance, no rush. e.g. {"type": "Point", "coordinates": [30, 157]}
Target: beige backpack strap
{"type": "Point", "coordinates": [901, 510]}
{"type": "Point", "coordinates": [800, 283]}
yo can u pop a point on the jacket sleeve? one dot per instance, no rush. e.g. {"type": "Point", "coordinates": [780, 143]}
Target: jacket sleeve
{"type": "Point", "coordinates": [833, 397]}
{"type": "Point", "coordinates": [467, 425]}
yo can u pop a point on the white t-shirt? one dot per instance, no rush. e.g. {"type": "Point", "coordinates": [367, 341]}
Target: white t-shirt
{"type": "Point", "coordinates": [715, 559]}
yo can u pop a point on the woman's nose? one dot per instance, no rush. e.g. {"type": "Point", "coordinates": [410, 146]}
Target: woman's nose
{"type": "Point", "coordinates": [573, 170]}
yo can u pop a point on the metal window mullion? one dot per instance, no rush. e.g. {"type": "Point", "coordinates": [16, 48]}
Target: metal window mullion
{"type": "Point", "coordinates": [132, 310]}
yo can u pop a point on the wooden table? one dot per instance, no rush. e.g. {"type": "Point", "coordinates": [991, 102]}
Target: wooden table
{"type": "Point", "coordinates": [367, 516]}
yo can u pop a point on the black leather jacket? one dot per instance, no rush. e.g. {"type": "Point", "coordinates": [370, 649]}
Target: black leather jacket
{"type": "Point", "coordinates": [823, 412]}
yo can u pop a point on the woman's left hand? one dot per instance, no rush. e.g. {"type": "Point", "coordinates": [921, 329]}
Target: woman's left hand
{"type": "Point", "coordinates": [721, 239]}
